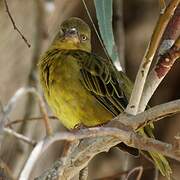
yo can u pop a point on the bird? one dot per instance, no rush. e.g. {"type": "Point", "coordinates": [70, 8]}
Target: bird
{"type": "Point", "coordinates": [82, 88]}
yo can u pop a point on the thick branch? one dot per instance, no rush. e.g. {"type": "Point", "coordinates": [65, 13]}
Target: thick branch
{"type": "Point", "coordinates": [109, 137]}
{"type": "Point", "coordinates": [171, 35]}
{"type": "Point", "coordinates": [158, 73]}
{"type": "Point", "coordinates": [153, 114]}
{"type": "Point", "coordinates": [148, 57]}
{"type": "Point", "coordinates": [102, 139]}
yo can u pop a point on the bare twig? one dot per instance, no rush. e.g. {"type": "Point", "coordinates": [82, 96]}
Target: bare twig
{"type": "Point", "coordinates": [117, 175]}
{"type": "Point", "coordinates": [31, 161]}
{"type": "Point", "coordinates": [88, 148]}
{"type": "Point", "coordinates": [140, 171]}
{"type": "Point", "coordinates": [14, 24]}
{"type": "Point", "coordinates": [11, 104]}
{"type": "Point", "coordinates": [28, 119]}
{"type": "Point", "coordinates": [164, 18]}
{"type": "Point", "coordinates": [111, 136]}
{"type": "Point", "coordinates": [19, 136]}
{"type": "Point", "coordinates": [151, 115]}
{"type": "Point", "coordinates": [41, 147]}
{"type": "Point", "coordinates": [116, 135]}
{"type": "Point", "coordinates": [8, 108]}
{"type": "Point", "coordinates": [45, 116]}
{"type": "Point", "coordinates": [37, 46]}
{"type": "Point", "coordinates": [32, 81]}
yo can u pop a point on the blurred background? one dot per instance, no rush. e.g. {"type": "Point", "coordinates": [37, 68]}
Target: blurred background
{"type": "Point", "coordinates": [39, 20]}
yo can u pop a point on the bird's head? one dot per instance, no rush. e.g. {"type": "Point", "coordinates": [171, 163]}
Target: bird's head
{"type": "Point", "coordinates": [73, 33]}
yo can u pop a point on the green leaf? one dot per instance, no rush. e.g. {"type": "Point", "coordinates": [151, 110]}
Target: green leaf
{"type": "Point", "coordinates": [104, 16]}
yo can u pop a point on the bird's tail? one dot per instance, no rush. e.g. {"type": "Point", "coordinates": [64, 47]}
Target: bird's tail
{"type": "Point", "coordinates": [160, 161]}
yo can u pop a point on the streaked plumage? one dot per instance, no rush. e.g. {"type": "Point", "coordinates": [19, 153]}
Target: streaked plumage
{"type": "Point", "coordinates": [82, 88]}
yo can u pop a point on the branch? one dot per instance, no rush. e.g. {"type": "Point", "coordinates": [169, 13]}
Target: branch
{"type": "Point", "coordinates": [28, 119]}
{"type": "Point", "coordinates": [32, 81]}
{"type": "Point", "coordinates": [151, 115]}
{"type": "Point", "coordinates": [85, 150]}
{"type": "Point", "coordinates": [163, 20]}
{"type": "Point", "coordinates": [19, 136]}
{"type": "Point", "coordinates": [14, 24]}
{"type": "Point", "coordinates": [118, 175]}
{"type": "Point", "coordinates": [158, 73]}
{"type": "Point", "coordinates": [11, 104]}
{"type": "Point", "coordinates": [101, 139]}
{"type": "Point", "coordinates": [139, 170]}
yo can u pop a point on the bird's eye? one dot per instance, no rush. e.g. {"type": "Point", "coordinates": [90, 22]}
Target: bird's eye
{"type": "Point", "coordinates": [83, 38]}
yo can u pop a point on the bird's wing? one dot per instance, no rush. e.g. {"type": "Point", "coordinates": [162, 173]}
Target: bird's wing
{"type": "Point", "coordinates": [100, 77]}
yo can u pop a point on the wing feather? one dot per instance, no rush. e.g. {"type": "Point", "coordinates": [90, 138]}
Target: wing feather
{"type": "Point", "coordinates": [99, 76]}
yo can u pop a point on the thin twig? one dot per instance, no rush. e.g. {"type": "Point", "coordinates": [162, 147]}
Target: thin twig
{"type": "Point", "coordinates": [14, 24]}
{"type": "Point", "coordinates": [140, 171]}
{"type": "Point", "coordinates": [43, 111]}
{"type": "Point", "coordinates": [19, 136]}
{"type": "Point", "coordinates": [39, 24]}
{"type": "Point", "coordinates": [28, 119]}
{"type": "Point", "coordinates": [117, 136]}
{"type": "Point", "coordinates": [163, 20]}
{"type": "Point", "coordinates": [13, 101]}
{"type": "Point", "coordinates": [110, 137]}
{"type": "Point", "coordinates": [45, 116]}
{"type": "Point", "coordinates": [118, 175]}
{"type": "Point", "coordinates": [41, 147]}
{"type": "Point", "coordinates": [8, 108]}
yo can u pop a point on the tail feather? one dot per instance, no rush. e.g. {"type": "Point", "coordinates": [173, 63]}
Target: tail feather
{"type": "Point", "coordinates": [161, 163]}
{"type": "Point", "coordinates": [159, 160]}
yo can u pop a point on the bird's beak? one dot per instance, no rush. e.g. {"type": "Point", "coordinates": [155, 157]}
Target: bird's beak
{"type": "Point", "coordinates": [72, 34]}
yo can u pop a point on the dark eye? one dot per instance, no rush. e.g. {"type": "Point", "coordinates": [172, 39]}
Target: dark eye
{"type": "Point", "coordinates": [83, 38]}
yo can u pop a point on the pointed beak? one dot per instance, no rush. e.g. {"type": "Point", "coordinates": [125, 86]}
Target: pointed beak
{"type": "Point", "coordinates": [72, 34]}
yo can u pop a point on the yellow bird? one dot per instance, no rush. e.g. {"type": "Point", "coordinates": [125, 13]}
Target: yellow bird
{"type": "Point", "coordinates": [84, 89]}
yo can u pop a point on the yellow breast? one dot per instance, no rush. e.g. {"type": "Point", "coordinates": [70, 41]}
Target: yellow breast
{"type": "Point", "coordinates": [68, 98]}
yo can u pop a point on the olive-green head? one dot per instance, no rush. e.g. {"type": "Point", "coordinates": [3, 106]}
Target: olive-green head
{"type": "Point", "coordinates": [73, 33]}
